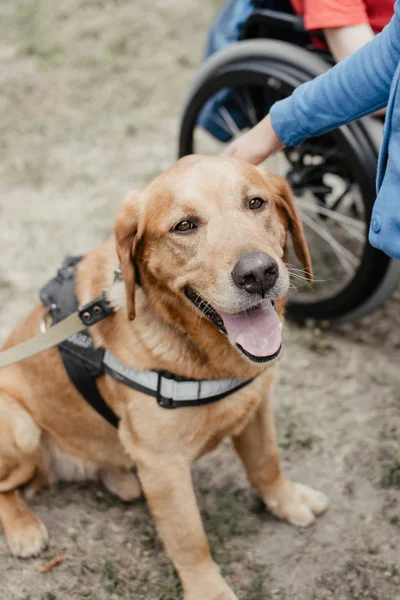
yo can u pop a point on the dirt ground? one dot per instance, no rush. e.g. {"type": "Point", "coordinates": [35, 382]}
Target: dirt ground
{"type": "Point", "coordinates": [89, 101]}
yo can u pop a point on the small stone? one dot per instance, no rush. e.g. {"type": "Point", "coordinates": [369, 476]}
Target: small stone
{"type": "Point", "coordinates": [387, 574]}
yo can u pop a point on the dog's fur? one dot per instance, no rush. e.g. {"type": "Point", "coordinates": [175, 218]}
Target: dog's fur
{"type": "Point", "coordinates": [50, 433]}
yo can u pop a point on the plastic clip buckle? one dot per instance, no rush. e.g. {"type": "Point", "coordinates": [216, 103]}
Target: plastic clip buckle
{"type": "Point", "coordinates": [95, 311]}
{"type": "Point", "coordinates": [161, 401]}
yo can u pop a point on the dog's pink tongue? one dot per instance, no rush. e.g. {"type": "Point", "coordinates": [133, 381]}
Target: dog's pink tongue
{"type": "Point", "coordinates": [258, 331]}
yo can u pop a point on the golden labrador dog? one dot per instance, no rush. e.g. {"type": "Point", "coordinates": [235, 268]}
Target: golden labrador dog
{"type": "Point", "coordinates": [207, 242]}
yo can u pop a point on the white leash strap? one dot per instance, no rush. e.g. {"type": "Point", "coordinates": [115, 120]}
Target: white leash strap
{"type": "Point", "coordinates": [52, 337]}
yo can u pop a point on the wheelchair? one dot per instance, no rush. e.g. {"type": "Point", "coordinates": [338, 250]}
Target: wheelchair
{"type": "Point", "coordinates": [332, 176]}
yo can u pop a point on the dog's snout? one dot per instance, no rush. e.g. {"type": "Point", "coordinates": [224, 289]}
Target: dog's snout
{"type": "Point", "coordinates": [256, 273]}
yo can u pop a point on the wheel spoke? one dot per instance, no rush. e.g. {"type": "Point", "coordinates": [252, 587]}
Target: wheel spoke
{"type": "Point", "coordinates": [251, 109]}
{"type": "Point", "coordinates": [221, 123]}
{"type": "Point", "coordinates": [338, 201]}
{"type": "Point", "coordinates": [348, 261]}
{"type": "Point", "coordinates": [229, 121]}
{"type": "Point", "coordinates": [246, 106]}
{"type": "Point", "coordinates": [308, 205]}
{"type": "Point", "coordinates": [313, 189]}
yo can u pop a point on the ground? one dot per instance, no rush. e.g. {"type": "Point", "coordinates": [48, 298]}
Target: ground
{"type": "Point", "coordinates": [89, 97]}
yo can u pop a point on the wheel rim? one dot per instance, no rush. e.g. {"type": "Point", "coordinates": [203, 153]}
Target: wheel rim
{"type": "Point", "coordinates": [334, 192]}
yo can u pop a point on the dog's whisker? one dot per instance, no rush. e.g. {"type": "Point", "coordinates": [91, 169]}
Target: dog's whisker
{"type": "Point", "coordinates": [294, 268]}
{"type": "Point", "coordinates": [297, 275]}
{"type": "Point", "coordinates": [303, 278]}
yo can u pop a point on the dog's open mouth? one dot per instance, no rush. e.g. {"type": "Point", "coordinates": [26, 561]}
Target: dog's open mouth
{"type": "Point", "coordinates": [256, 332]}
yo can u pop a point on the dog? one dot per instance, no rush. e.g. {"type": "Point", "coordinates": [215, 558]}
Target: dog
{"type": "Point", "coordinates": [202, 252]}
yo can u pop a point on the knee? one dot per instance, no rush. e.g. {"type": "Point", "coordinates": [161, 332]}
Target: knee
{"type": "Point", "coordinates": [19, 445]}
{"type": "Point", "coordinates": [20, 434]}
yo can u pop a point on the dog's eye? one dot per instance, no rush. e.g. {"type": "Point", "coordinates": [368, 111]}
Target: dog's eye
{"type": "Point", "coordinates": [256, 203]}
{"type": "Point", "coordinates": [184, 226]}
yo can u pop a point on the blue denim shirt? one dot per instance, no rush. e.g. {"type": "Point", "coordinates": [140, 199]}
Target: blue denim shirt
{"type": "Point", "coordinates": [366, 81]}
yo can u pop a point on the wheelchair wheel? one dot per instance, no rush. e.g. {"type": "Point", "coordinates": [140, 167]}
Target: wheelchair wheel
{"type": "Point", "coordinates": [332, 176]}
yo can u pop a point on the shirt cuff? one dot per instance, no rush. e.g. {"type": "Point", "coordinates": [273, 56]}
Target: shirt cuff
{"type": "Point", "coordinates": [285, 123]}
{"type": "Point", "coordinates": [315, 22]}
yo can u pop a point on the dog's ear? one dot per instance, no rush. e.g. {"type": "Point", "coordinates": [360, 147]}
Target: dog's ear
{"type": "Point", "coordinates": [126, 235]}
{"type": "Point", "coordinates": [287, 209]}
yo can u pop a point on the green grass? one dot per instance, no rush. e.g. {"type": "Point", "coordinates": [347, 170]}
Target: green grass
{"type": "Point", "coordinates": [109, 575]}
{"type": "Point", "coordinates": [172, 588]}
{"type": "Point", "coordinates": [296, 435]}
{"type": "Point", "coordinates": [120, 47]}
{"type": "Point", "coordinates": [390, 473]}
{"type": "Point", "coordinates": [230, 517]}
{"type": "Point", "coordinates": [390, 463]}
{"type": "Point", "coordinates": [257, 589]}
{"type": "Point", "coordinates": [36, 29]}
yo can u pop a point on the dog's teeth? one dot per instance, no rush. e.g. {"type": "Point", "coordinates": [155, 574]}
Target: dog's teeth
{"type": "Point", "coordinates": [280, 325]}
{"type": "Point", "coordinates": [206, 308]}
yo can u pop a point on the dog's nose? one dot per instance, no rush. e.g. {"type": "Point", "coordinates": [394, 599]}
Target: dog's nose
{"type": "Point", "coordinates": [256, 272]}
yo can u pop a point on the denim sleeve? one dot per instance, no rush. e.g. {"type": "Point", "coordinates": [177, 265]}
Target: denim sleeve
{"type": "Point", "coordinates": [352, 89]}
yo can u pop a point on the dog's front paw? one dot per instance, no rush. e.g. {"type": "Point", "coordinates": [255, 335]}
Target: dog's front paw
{"type": "Point", "coordinates": [295, 502]}
{"type": "Point", "coordinates": [28, 537]}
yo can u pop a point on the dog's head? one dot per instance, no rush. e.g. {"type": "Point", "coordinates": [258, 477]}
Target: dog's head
{"type": "Point", "coordinates": [208, 237]}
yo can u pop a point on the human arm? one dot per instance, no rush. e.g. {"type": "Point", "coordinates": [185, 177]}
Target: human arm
{"type": "Point", "coordinates": [344, 41]}
{"type": "Point", "coordinates": [347, 24]}
{"type": "Point", "coordinates": [353, 88]}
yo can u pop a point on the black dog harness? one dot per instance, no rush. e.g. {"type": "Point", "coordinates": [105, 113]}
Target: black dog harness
{"type": "Point", "coordinates": [84, 362]}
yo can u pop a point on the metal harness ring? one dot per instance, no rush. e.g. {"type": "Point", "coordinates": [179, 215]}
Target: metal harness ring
{"type": "Point", "coordinates": [45, 314]}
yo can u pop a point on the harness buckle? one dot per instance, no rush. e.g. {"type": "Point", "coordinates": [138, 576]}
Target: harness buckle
{"type": "Point", "coordinates": [161, 400]}
{"type": "Point", "coordinates": [95, 311]}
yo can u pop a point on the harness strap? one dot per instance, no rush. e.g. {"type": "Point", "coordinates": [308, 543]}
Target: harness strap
{"type": "Point", "coordinates": [84, 363]}
{"type": "Point", "coordinates": [83, 376]}
{"type": "Point", "coordinates": [169, 390]}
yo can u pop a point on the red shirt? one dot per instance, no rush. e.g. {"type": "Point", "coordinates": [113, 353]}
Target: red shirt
{"type": "Point", "coordinates": [319, 14]}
